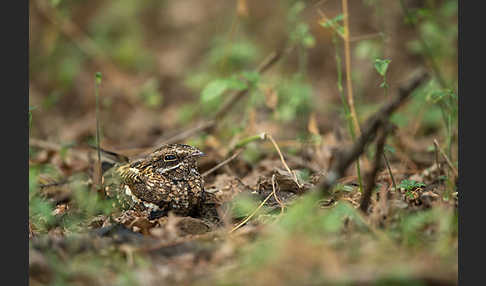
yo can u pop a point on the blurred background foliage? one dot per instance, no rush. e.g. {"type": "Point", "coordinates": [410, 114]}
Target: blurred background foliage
{"type": "Point", "coordinates": [162, 58]}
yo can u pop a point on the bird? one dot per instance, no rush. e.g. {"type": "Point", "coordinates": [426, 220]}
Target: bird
{"type": "Point", "coordinates": [165, 180]}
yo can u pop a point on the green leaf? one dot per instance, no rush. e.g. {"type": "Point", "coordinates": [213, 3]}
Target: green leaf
{"type": "Point", "coordinates": [381, 66]}
{"type": "Point", "coordinates": [98, 77]}
{"type": "Point", "coordinates": [332, 22]}
{"type": "Point", "coordinates": [389, 149]}
{"type": "Point", "coordinates": [236, 83]}
{"type": "Point", "coordinates": [301, 35]}
{"type": "Point", "coordinates": [214, 89]}
{"type": "Point", "coordinates": [251, 76]}
{"type": "Point", "coordinates": [308, 41]}
{"type": "Point", "coordinates": [410, 185]}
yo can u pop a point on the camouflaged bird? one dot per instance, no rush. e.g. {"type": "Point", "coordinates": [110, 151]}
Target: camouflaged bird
{"type": "Point", "coordinates": [165, 180]}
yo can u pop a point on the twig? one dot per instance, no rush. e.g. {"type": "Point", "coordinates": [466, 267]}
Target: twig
{"type": "Point", "coordinates": [387, 163]}
{"type": "Point", "coordinates": [253, 213]}
{"type": "Point", "coordinates": [238, 152]}
{"type": "Point", "coordinates": [347, 59]}
{"type": "Point", "coordinates": [263, 136]}
{"type": "Point", "coordinates": [347, 156]}
{"type": "Point", "coordinates": [117, 157]}
{"type": "Point", "coordinates": [97, 173]}
{"type": "Point", "coordinates": [449, 163]}
{"type": "Point", "coordinates": [242, 143]}
{"type": "Point", "coordinates": [437, 162]}
{"type": "Point", "coordinates": [283, 160]}
{"type": "Point", "coordinates": [282, 206]}
{"type": "Point", "coordinates": [370, 184]}
{"type": "Point", "coordinates": [55, 184]}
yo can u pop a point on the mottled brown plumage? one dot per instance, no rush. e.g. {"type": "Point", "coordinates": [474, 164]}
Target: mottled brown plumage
{"type": "Point", "coordinates": [165, 180]}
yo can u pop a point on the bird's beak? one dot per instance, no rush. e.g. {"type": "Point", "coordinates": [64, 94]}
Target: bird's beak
{"type": "Point", "coordinates": [198, 154]}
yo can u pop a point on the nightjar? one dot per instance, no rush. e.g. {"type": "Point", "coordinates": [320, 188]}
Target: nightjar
{"type": "Point", "coordinates": [165, 180]}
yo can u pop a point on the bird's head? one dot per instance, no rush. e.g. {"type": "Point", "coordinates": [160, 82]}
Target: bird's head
{"type": "Point", "coordinates": [175, 161]}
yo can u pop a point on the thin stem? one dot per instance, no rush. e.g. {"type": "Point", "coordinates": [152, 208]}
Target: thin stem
{"type": "Point", "coordinates": [97, 174]}
{"type": "Point", "coordinates": [205, 174]}
{"type": "Point", "coordinates": [390, 171]}
{"type": "Point", "coordinates": [448, 161]}
{"type": "Point", "coordinates": [253, 213]}
{"type": "Point", "coordinates": [347, 59]}
{"type": "Point", "coordinates": [346, 108]}
{"type": "Point", "coordinates": [245, 141]}
{"type": "Point", "coordinates": [291, 172]}
{"type": "Point", "coordinates": [234, 25]}
{"type": "Point", "coordinates": [97, 123]}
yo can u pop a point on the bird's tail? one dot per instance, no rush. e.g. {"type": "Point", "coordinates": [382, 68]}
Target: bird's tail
{"type": "Point", "coordinates": [110, 158]}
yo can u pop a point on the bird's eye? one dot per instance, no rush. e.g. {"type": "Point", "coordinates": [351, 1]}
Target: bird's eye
{"type": "Point", "coordinates": [170, 158]}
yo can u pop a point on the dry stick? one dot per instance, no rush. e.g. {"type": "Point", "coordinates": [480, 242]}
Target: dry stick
{"type": "Point", "coordinates": [97, 173]}
{"type": "Point", "coordinates": [283, 160]}
{"type": "Point", "coordinates": [347, 156]}
{"type": "Point", "coordinates": [449, 163]}
{"type": "Point", "coordinates": [439, 165]}
{"type": "Point", "coordinates": [117, 157]}
{"type": "Point", "coordinates": [347, 58]}
{"type": "Point", "coordinates": [253, 213]}
{"type": "Point", "coordinates": [238, 152]}
{"type": "Point", "coordinates": [387, 163]}
{"type": "Point", "coordinates": [282, 206]}
{"type": "Point", "coordinates": [370, 184]}
{"type": "Point", "coordinates": [263, 136]}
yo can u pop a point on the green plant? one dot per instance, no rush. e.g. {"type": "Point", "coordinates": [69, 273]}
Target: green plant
{"type": "Point", "coordinates": [40, 210]}
{"type": "Point", "coordinates": [31, 108]}
{"type": "Point", "coordinates": [381, 67]}
{"type": "Point", "coordinates": [447, 100]}
{"type": "Point", "coordinates": [410, 185]}
{"type": "Point", "coordinates": [338, 33]}
{"type": "Point", "coordinates": [212, 94]}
